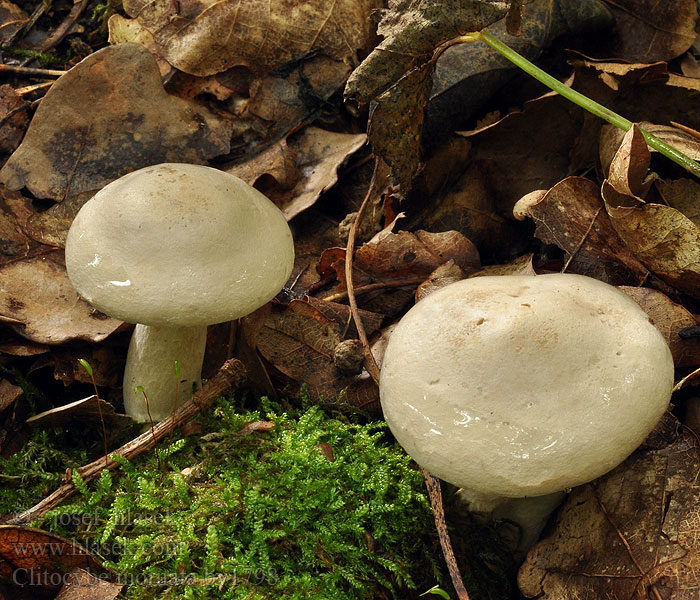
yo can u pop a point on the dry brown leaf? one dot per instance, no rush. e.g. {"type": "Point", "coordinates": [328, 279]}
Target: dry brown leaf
{"type": "Point", "coordinates": [128, 31]}
{"type": "Point", "coordinates": [648, 30]}
{"type": "Point", "coordinates": [301, 168]}
{"type": "Point", "coordinates": [683, 195]}
{"type": "Point", "coordinates": [8, 393]}
{"type": "Point", "coordinates": [397, 76]}
{"type": "Point", "coordinates": [663, 239]}
{"type": "Point", "coordinates": [300, 340]}
{"type": "Point", "coordinates": [41, 304]}
{"type": "Point", "coordinates": [403, 255]}
{"type": "Point", "coordinates": [518, 266]}
{"type": "Point", "coordinates": [631, 534]}
{"type": "Point", "coordinates": [669, 318]}
{"type": "Point", "coordinates": [274, 168]}
{"type": "Point", "coordinates": [571, 215]}
{"type": "Point", "coordinates": [396, 123]}
{"type": "Point", "coordinates": [470, 206]}
{"type": "Point", "coordinates": [105, 117]}
{"type": "Point", "coordinates": [441, 277]}
{"type": "Point", "coordinates": [51, 226]}
{"type": "Point", "coordinates": [629, 168]}
{"type": "Point", "coordinates": [82, 585]}
{"type": "Point", "coordinates": [203, 38]}
{"type": "Point", "coordinates": [107, 362]}
{"type": "Point", "coordinates": [317, 232]}
{"type": "Point", "coordinates": [467, 75]}
{"type": "Point", "coordinates": [30, 556]}
{"type": "Point", "coordinates": [411, 30]}
{"type": "Point", "coordinates": [639, 92]}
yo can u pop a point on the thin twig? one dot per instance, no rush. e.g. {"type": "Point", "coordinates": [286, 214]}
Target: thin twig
{"type": "Point", "coordinates": [30, 71]}
{"type": "Point", "coordinates": [369, 363]}
{"type": "Point", "coordinates": [35, 87]}
{"type": "Point", "coordinates": [432, 483]}
{"type": "Point", "coordinates": [62, 30]}
{"type": "Point", "coordinates": [377, 285]}
{"type": "Point", "coordinates": [231, 376]}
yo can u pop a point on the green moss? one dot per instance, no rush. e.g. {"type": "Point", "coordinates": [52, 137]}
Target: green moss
{"type": "Point", "coordinates": [43, 57]}
{"type": "Point", "coordinates": [35, 471]}
{"type": "Point", "coordinates": [264, 514]}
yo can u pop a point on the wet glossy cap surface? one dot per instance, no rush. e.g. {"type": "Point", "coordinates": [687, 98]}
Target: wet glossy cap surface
{"type": "Point", "coordinates": [179, 245]}
{"type": "Point", "coordinates": [519, 385]}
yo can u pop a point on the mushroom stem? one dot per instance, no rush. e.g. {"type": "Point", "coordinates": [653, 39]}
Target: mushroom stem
{"type": "Point", "coordinates": [528, 516]}
{"type": "Point", "coordinates": [150, 364]}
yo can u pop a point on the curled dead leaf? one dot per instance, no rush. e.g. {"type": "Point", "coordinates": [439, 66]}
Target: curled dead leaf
{"type": "Point", "coordinates": [571, 215]}
{"type": "Point", "coordinates": [295, 172]}
{"type": "Point", "coordinates": [663, 239]}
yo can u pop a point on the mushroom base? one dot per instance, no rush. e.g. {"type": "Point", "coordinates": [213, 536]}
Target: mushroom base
{"type": "Point", "coordinates": [150, 364]}
{"type": "Point", "coordinates": [525, 516]}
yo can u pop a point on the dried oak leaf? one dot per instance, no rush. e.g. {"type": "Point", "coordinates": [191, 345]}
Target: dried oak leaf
{"type": "Point", "coordinates": [40, 303]}
{"type": "Point", "coordinates": [663, 239]}
{"type": "Point", "coordinates": [441, 277]}
{"type": "Point", "coordinates": [295, 172]}
{"type": "Point", "coordinates": [518, 266]}
{"type": "Point", "coordinates": [639, 91]}
{"type": "Point", "coordinates": [300, 339]}
{"type": "Point", "coordinates": [470, 206]}
{"type": "Point", "coordinates": [669, 318]}
{"type": "Point", "coordinates": [572, 216]}
{"type": "Point", "coordinates": [648, 30]}
{"type": "Point", "coordinates": [105, 117]}
{"type": "Point", "coordinates": [402, 256]}
{"type": "Point", "coordinates": [204, 37]}
{"type": "Point", "coordinates": [631, 534]}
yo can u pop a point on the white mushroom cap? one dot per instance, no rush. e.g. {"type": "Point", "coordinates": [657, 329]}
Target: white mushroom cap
{"type": "Point", "coordinates": [519, 386]}
{"type": "Point", "coordinates": [179, 245]}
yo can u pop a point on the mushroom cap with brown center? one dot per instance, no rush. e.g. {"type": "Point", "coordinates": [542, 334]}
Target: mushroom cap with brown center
{"type": "Point", "coordinates": [522, 386]}
{"type": "Point", "coordinates": [179, 245]}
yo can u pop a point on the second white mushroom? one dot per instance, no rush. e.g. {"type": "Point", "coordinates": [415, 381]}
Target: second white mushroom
{"type": "Point", "coordinates": [519, 387]}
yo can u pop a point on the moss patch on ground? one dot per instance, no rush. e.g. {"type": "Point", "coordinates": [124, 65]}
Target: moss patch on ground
{"type": "Point", "coordinates": [266, 504]}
